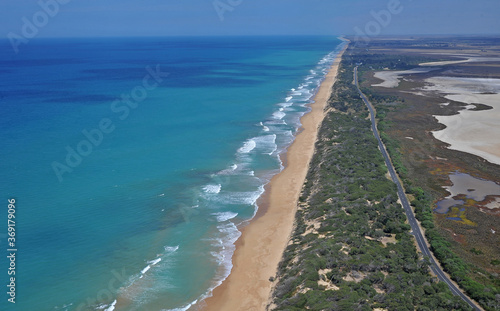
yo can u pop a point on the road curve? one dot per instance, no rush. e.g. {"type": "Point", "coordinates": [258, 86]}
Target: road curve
{"type": "Point", "coordinates": [406, 205]}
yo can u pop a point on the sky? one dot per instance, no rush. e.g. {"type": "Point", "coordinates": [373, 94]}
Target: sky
{"type": "Point", "coordinates": [109, 18]}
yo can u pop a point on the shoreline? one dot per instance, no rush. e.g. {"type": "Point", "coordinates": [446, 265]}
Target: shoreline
{"type": "Point", "coordinates": [262, 243]}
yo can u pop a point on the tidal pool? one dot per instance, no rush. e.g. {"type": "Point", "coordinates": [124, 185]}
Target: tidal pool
{"type": "Point", "coordinates": [473, 188]}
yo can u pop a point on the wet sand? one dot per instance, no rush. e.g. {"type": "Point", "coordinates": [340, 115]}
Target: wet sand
{"type": "Point", "coordinates": [260, 248]}
{"type": "Point", "coordinates": [392, 78]}
{"type": "Point", "coordinates": [474, 132]}
{"type": "Point", "coordinates": [469, 60]}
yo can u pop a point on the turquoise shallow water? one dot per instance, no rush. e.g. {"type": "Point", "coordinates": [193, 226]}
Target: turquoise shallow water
{"type": "Point", "coordinates": [148, 212]}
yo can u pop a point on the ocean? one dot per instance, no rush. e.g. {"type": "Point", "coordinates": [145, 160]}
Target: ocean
{"type": "Point", "coordinates": [133, 161]}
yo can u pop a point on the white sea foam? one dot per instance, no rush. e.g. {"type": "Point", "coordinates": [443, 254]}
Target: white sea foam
{"type": "Point", "coordinates": [171, 249]}
{"type": "Point", "coordinates": [111, 307]}
{"type": "Point", "coordinates": [248, 146]}
{"type": "Point", "coordinates": [225, 244]}
{"type": "Point", "coordinates": [228, 171]}
{"type": "Point", "coordinates": [264, 128]}
{"type": "Point", "coordinates": [288, 104]}
{"type": "Point", "coordinates": [147, 292]}
{"type": "Point", "coordinates": [224, 216]}
{"type": "Point", "coordinates": [275, 122]}
{"type": "Point", "coordinates": [279, 115]}
{"type": "Point", "coordinates": [212, 188]}
{"type": "Point", "coordinates": [145, 270]}
{"type": "Point", "coordinates": [246, 198]}
{"type": "Point", "coordinates": [185, 308]}
{"type": "Point", "coordinates": [271, 145]}
{"type": "Point", "coordinates": [154, 261]}
{"type": "Point", "coordinates": [274, 150]}
{"type": "Point", "coordinates": [289, 98]}
{"type": "Point", "coordinates": [265, 143]}
{"type": "Point", "coordinates": [284, 139]}
{"type": "Point", "coordinates": [151, 263]}
{"type": "Point", "coordinates": [66, 306]}
{"type": "Point", "coordinates": [260, 144]}
{"type": "Point", "coordinates": [240, 197]}
{"type": "Point", "coordinates": [306, 92]}
{"type": "Point", "coordinates": [230, 234]}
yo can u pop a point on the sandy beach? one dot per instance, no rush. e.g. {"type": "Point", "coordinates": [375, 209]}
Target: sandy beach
{"type": "Point", "coordinates": [260, 248]}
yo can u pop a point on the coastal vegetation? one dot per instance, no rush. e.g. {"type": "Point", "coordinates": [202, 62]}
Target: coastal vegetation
{"type": "Point", "coordinates": [351, 248]}
{"type": "Point", "coordinates": [456, 267]}
{"type": "Point", "coordinates": [473, 268]}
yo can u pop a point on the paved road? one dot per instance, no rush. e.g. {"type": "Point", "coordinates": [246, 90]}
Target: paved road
{"type": "Point", "coordinates": [409, 212]}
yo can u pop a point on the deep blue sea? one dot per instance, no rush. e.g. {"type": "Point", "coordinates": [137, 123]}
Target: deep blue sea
{"type": "Point", "coordinates": [134, 161]}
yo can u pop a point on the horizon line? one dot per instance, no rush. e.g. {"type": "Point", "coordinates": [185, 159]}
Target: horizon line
{"type": "Point", "coordinates": [265, 35]}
